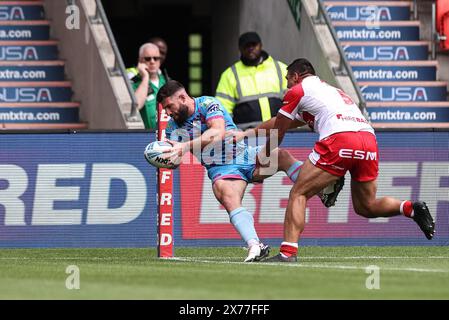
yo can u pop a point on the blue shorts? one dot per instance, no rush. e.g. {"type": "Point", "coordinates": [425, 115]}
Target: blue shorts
{"type": "Point", "coordinates": [242, 171]}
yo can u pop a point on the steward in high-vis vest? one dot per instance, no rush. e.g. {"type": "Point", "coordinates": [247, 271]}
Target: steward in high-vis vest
{"type": "Point", "coordinates": [252, 89]}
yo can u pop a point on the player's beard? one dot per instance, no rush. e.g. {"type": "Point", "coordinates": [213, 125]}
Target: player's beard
{"type": "Point", "coordinates": [182, 114]}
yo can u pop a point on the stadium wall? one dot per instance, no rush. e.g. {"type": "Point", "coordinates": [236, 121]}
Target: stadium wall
{"type": "Point", "coordinates": [95, 189]}
{"type": "Point", "coordinates": [274, 22]}
{"type": "Point", "coordinates": [281, 36]}
{"type": "Point", "coordinates": [285, 41]}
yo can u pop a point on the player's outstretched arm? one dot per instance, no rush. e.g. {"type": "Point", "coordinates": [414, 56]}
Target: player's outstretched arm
{"type": "Point", "coordinates": [281, 125]}
{"type": "Point", "coordinates": [263, 129]}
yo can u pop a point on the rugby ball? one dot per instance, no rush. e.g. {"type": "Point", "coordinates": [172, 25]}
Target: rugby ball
{"type": "Point", "coordinates": [154, 155]}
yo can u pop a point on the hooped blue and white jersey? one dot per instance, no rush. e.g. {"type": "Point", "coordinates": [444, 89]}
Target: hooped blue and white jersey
{"type": "Point", "coordinates": [206, 109]}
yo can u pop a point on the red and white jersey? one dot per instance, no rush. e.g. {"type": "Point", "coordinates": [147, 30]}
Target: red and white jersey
{"type": "Point", "coordinates": [326, 109]}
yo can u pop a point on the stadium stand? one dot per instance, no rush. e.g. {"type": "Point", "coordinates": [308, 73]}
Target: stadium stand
{"type": "Point", "coordinates": [34, 93]}
{"type": "Point", "coordinates": [390, 63]}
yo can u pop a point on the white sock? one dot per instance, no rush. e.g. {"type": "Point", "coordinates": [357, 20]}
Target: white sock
{"type": "Point", "coordinates": [252, 242]}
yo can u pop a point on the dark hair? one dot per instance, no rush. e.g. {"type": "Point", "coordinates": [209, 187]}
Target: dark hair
{"type": "Point", "coordinates": [157, 39]}
{"type": "Point", "coordinates": [249, 37]}
{"type": "Point", "coordinates": [168, 89]}
{"type": "Point", "coordinates": [301, 66]}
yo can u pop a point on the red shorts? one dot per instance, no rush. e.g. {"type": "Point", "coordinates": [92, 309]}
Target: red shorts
{"type": "Point", "coordinates": [353, 151]}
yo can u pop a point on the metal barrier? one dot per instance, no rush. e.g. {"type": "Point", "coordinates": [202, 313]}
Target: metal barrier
{"type": "Point", "coordinates": [119, 67]}
{"type": "Point", "coordinates": [415, 9]}
{"type": "Point", "coordinates": [343, 69]}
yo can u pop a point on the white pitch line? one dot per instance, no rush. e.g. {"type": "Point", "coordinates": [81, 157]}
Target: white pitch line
{"type": "Point", "coordinates": [294, 265]}
{"type": "Point", "coordinates": [375, 257]}
{"type": "Point", "coordinates": [335, 257]}
{"type": "Point", "coordinates": [312, 266]}
{"type": "Point", "coordinates": [223, 258]}
{"type": "Point", "coordinates": [69, 258]}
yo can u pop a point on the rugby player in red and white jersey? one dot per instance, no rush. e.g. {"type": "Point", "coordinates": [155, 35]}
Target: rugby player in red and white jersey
{"type": "Point", "coordinates": [346, 143]}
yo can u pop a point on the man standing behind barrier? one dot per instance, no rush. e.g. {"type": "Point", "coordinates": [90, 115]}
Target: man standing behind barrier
{"type": "Point", "coordinates": [251, 90]}
{"type": "Point", "coordinates": [163, 50]}
{"type": "Point", "coordinates": [347, 143]}
{"type": "Point", "coordinates": [146, 82]}
{"type": "Point", "coordinates": [199, 125]}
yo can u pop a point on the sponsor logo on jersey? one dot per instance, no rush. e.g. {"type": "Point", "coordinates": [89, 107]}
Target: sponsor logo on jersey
{"type": "Point", "coordinates": [213, 108]}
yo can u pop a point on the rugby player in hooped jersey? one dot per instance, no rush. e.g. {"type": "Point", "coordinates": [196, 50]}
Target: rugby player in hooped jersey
{"type": "Point", "coordinates": [347, 142]}
{"type": "Point", "coordinates": [200, 125]}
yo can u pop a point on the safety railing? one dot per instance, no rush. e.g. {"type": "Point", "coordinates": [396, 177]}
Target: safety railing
{"type": "Point", "coordinates": [119, 67]}
{"type": "Point", "coordinates": [415, 9]}
{"type": "Point", "coordinates": [343, 68]}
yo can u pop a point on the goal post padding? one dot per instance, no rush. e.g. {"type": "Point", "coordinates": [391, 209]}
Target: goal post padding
{"type": "Point", "coordinates": [164, 197]}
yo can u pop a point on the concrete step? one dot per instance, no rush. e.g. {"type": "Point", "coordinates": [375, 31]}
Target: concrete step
{"type": "Point", "coordinates": [410, 112]}
{"type": "Point", "coordinates": [28, 50]}
{"type": "Point", "coordinates": [21, 10]}
{"type": "Point", "coordinates": [50, 91]}
{"type": "Point", "coordinates": [24, 30]}
{"type": "Point", "coordinates": [394, 70]}
{"type": "Point", "coordinates": [39, 112]}
{"type": "Point", "coordinates": [43, 126]}
{"type": "Point", "coordinates": [385, 50]}
{"type": "Point", "coordinates": [377, 31]}
{"type": "Point", "coordinates": [32, 70]}
{"type": "Point", "coordinates": [410, 125]}
{"type": "Point", "coordinates": [404, 91]}
{"type": "Point", "coordinates": [368, 10]}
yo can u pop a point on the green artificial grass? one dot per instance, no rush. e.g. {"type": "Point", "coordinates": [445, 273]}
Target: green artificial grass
{"type": "Point", "coordinates": [219, 273]}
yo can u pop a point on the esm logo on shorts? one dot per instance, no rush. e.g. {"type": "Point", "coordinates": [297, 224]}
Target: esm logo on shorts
{"type": "Point", "coordinates": [357, 154]}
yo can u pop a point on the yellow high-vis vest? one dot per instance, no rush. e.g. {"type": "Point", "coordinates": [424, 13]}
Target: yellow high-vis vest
{"type": "Point", "coordinates": [253, 93]}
